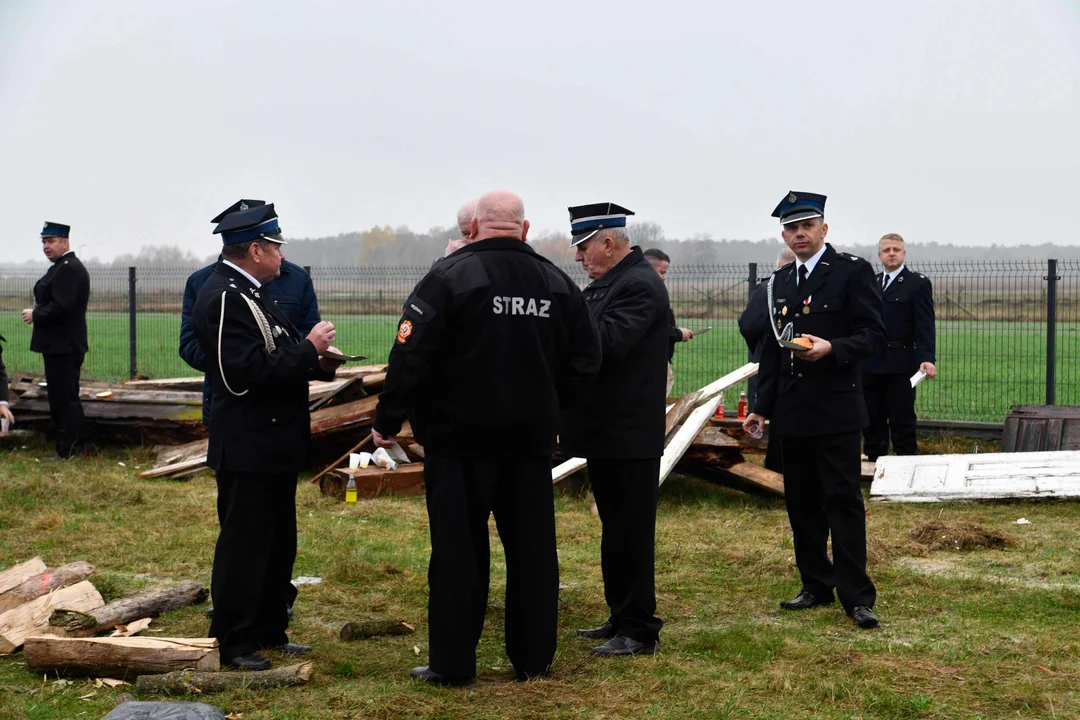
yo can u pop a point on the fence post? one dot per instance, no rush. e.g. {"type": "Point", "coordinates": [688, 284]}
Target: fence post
{"type": "Point", "coordinates": [752, 280]}
{"type": "Point", "coordinates": [1051, 329]}
{"type": "Point", "coordinates": [133, 369]}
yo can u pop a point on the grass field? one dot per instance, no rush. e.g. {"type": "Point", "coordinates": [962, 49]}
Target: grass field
{"type": "Point", "coordinates": [979, 634]}
{"type": "Point", "coordinates": [985, 367]}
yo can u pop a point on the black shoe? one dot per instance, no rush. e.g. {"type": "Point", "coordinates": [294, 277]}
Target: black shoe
{"type": "Point", "coordinates": [621, 645]}
{"type": "Point", "coordinates": [428, 675]}
{"type": "Point", "coordinates": [253, 661]}
{"type": "Point", "coordinates": [805, 600]}
{"type": "Point", "coordinates": [293, 649]}
{"type": "Point", "coordinates": [864, 617]}
{"type": "Point", "coordinates": [604, 632]}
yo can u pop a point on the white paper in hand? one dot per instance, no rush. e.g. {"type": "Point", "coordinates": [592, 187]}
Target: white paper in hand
{"type": "Point", "coordinates": [917, 378]}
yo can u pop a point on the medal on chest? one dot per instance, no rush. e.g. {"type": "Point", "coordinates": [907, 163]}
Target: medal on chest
{"type": "Point", "coordinates": [806, 305]}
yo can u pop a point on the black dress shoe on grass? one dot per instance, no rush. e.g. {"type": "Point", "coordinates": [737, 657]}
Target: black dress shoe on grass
{"type": "Point", "coordinates": [428, 675]}
{"type": "Point", "coordinates": [621, 645]}
{"type": "Point", "coordinates": [253, 661]}
{"type": "Point", "coordinates": [293, 649]}
{"type": "Point", "coordinates": [604, 632]}
{"type": "Point", "coordinates": [805, 601]}
{"type": "Point", "coordinates": [864, 617]}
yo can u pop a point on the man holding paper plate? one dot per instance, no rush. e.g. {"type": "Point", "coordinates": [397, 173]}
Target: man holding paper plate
{"type": "Point", "coordinates": [825, 316]}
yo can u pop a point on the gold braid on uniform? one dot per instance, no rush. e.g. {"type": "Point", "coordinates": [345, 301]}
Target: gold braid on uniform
{"type": "Point", "coordinates": [264, 328]}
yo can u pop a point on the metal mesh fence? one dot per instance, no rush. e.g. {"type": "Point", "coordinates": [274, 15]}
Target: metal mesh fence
{"type": "Point", "coordinates": [992, 320]}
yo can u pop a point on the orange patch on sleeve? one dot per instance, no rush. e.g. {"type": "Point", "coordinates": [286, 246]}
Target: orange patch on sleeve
{"type": "Point", "coordinates": [404, 331]}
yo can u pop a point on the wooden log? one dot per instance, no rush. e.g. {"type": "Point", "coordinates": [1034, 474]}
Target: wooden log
{"type": "Point", "coordinates": [123, 610]}
{"type": "Point", "coordinates": [119, 657]}
{"type": "Point", "coordinates": [44, 583]}
{"type": "Point", "coordinates": [374, 482]}
{"type": "Point", "coordinates": [14, 576]}
{"type": "Point", "coordinates": [374, 628]}
{"type": "Point", "coordinates": [206, 683]}
{"type": "Point", "coordinates": [32, 618]}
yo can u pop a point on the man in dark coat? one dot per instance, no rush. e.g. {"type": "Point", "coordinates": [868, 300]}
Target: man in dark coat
{"type": "Point", "coordinates": [754, 327]}
{"type": "Point", "coordinates": [494, 341]}
{"type": "Point", "coordinates": [59, 320]}
{"type": "Point", "coordinates": [661, 261]}
{"type": "Point", "coordinates": [813, 398]}
{"type": "Point", "coordinates": [910, 337]}
{"type": "Point", "coordinates": [621, 431]}
{"type": "Point", "coordinates": [5, 411]}
{"type": "Point", "coordinates": [292, 290]}
{"type": "Point", "coordinates": [260, 433]}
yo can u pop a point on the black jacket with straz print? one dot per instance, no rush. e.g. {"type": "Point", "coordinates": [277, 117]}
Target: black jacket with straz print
{"type": "Point", "coordinates": [493, 342]}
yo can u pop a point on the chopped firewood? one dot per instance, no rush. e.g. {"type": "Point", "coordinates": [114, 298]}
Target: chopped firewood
{"type": "Point", "coordinates": [32, 618]}
{"type": "Point", "coordinates": [119, 657]}
{"type": "Point", "coordinates": [132, 628]}
{"type": "Point", "coordinates": [375, 628]}
{"type": "Point", "coordinates": [14, 576]}
{"type": "Point", "coordinates": [44, 583]}
{"type": "Point", "coordinates": [122, 610]}
{"type": "Point", "coordinates": [206, 683]}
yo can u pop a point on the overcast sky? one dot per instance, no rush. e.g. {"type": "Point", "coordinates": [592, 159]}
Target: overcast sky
{"type": "Point", "coordinates": [136, 121]}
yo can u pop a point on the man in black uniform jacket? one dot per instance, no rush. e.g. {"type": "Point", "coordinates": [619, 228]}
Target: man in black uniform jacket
{"type": "Point", "coordinates": [661, 261]}
{"type": "Point", "coordinates": [59, 319]}
{"type": "Point", "coordinates": [909, 347]}
{"type": "Point", "coordinates": [814, 399]}
{"type": "Point", "coordinates": [621, 431]}
{"type": "Point", "coordinates": [493, 342]}
{"type": "Point", "coordinates": [754, 327]}
{"type": "Point", "coordinates": [5, 411]}
{"type": "Point", "coordinates": [259, 434]}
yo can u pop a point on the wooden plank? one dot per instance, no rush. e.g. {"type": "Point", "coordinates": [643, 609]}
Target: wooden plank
{"type": "Point", "coordinates": [685, 435]}
{"type": "Point", "coordinates": [1054, 430]}
{"type": "Point", "coordinates": [193, 384]}
{"type": "Point", "coordinates": [119, 657]}
{"type": "Point", "coordinates": [755, 476]}
{"type": "Point", "coordinates": [732, 378]}
{"type": "Point", "coordinates": [1010, 433]}
{"type": "Point", "coordinates": [566, 469]}
{"type": "Point", "coordinates": [986, 476]}
{"type": "Point", "coordinates": [105, 410]}
{"type": "Point", "coordinates": [16, 575]}
{"type": "Point", "coordinates": [716, 438]}
{"type": "Point", "coordinates": [32, 618]}
{"type": "Point", "coordinates": [374, 482]}
{"type": "Point", "coordinates": [678, 412]}
{"type": "Point", "coordinates": [347, 416]}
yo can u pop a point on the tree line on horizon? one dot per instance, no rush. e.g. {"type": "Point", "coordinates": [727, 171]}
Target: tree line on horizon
{"type": "Point", "coordinates": [383, 246]}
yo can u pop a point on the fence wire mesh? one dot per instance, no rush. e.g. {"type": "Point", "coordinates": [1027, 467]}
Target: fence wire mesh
{"type": "Point", "coordinates": [992, 324]}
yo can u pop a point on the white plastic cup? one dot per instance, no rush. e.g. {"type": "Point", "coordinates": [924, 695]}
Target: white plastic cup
{"type": "Point", "coordinates": [354, 460]}
{"type": "Point", "coordinates": [5, 425]}
{"type": "Point", "coordinates": [365, 459]}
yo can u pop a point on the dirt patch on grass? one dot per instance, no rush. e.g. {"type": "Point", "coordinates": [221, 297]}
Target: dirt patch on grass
{"type": "Point", "coordinates": [960, 536]}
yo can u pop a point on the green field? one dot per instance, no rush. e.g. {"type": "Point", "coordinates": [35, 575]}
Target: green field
{"type": "Point", "coordinates": [986, 633]}
{"type": "Point", "coordinates": [985, 367]}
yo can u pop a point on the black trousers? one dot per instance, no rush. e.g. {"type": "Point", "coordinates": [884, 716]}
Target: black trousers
{"type": "Point", "coordinates": [461, 494]}
{"type": "Point", "coordinates": [890, 402]}
{"type": "Point", "coordinates": [253, 560]}
{"type": "Point", "coordinates": [62, 378]}
{"type": "Point", "coordinates": [823, 496]}
{"type": "Point", "coordinates": [626, 493]}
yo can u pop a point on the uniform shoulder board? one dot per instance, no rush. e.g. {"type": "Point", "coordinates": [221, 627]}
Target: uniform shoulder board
{"type": "Point", "coordinates": [783, 267]}
{"type": "Point", "coordinates": [921, 275]}
{"type": "Point", "coordinates": [852, 258]}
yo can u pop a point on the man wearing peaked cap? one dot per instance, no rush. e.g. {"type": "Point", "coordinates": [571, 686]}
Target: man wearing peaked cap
{"type": "Point", "coordinates": [813, 398]}
{"type": "Point", "coordinates": [59, 320]}
{"type": "Point", "coordinates": [294, 294]}
{"type": "Point", "coordinates": [620, 429]}
{"type": "Point", "coordinates": [260, 365]}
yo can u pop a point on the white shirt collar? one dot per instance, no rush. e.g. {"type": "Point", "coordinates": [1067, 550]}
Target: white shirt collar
{"type": "Point", "coordinates": [243, 272]}
{"type": "Point", "coordinates": [893, 274]}
{"type": "Point", "coordinates": [812, 262]}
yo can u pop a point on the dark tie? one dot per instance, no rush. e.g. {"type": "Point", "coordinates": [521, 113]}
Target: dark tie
{"type": "Point", "coordinates": [884, 280]}
{"type": "Point", "coordinates": [802, 275]}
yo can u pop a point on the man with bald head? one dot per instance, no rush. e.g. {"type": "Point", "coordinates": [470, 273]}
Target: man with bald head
{"type": "Point", "coordinates": [621, 430]}
{"type": "Point", "coordinates": [494, 342]}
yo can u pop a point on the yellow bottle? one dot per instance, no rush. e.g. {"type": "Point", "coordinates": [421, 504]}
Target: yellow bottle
{"type": "Point", "coordinates": [350, 491]}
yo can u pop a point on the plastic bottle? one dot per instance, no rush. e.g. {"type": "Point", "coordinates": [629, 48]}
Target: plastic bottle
{"type": "Point", "coordinates": [350, 491]}
{"type": "Point", "coordinates": [742, 406]}
{"type": "Point", "coordinates": [720, 408]}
